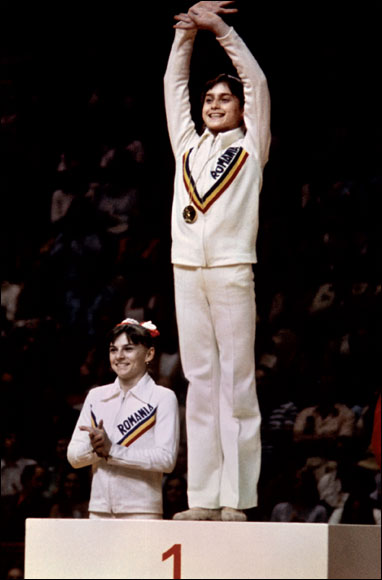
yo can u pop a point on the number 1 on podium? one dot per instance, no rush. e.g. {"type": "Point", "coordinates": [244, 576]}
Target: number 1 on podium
{"type": "Point", "coordinates": [176, 552]}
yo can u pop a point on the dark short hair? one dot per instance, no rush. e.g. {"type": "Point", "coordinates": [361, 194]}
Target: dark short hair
{"type": "Point", "coordinates": [234, 83]}
{"type": "Point", "coordinates": [135, 332]}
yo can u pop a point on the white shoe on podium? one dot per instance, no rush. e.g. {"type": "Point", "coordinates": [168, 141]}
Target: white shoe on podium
{"type": "Point", "coordinates": [198, 515]}
{"type": "Point", "coordinates": [232, 515]}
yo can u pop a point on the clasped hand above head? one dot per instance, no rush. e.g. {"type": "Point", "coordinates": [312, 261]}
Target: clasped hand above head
{"type": "Point", "coordinates": [99, 439]}
{"type": "Point", "coordinates": [205, 16]}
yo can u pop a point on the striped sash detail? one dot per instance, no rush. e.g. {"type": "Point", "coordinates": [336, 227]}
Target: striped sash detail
{"type": "Point", "coordinates": [94, 421]}
{"type": "Point", "coordinates": [229, 165]}
{"type": "Point", "coordinates": [139, 429]}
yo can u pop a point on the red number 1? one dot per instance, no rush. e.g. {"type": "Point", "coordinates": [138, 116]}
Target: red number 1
{"type": "Point", "coordinates": [175, 551]}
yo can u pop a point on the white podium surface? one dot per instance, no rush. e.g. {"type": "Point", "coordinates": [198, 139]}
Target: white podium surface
{"type": "Point", "coordinates": [165, 549]}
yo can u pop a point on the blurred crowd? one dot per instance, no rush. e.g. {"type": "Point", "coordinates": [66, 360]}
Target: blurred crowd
{"type": "Point", "coordinates": [86, 242]}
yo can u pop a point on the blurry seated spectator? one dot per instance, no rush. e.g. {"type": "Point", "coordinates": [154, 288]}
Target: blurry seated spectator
{"type": "Point", "coordinates": [61, 202]}
{"type": "Point", "coordinates": [304, 504]}
{"type": "Point", "coordinates": [323, 299]}
{"type": "Point", "coordinates": [58, 467]}
{"type": "Point", "coordinates": [70, 502]}
{"type": "Point", "coordinates": [285, 345]}
{"type": "Point", "coordinates": [56, 422]}
{"type": "Point", "coordinates": [267, 362]}
{"type": "Point", "coordinates": [10, 293]}
{"type": "Point", "coordinates": [107, 156]}
{"type": "Point", "coordinates": [79, 264]}
{"type": "Point", "coordinates": [117, 195]}
{"type": "Point", "coordinates": [174, 496]}
{"type": "Point", "coordinates": [330, 487]}
{"type": "Point", "coordinates": [325, 428]}
{"type": "Point", "coordinates": [31, 501]}
{"type": "Point", "coordinates": [12, 465]}
{"type": "Point", "coordinates": [360, 507]}
{"type": "Point", "coordinates": [321, 466]}
{"type": "Point", "coordinates": [283, 417]}
{"type": "Point", "coordinates": [277, 429]}
{"type": "Point", "coordinates": [72, 183]}
{"type": "Point", "coordinates": [277, 307]}
{"type": "Point", "coordinates": [117, 205]}
{"type": "Point", "coordinates": [137, 151]}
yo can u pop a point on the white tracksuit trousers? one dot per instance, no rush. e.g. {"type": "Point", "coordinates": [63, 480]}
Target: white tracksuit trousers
{"type": "Point", "coordinates": [216, 316]}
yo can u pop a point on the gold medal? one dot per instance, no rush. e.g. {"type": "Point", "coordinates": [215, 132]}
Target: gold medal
{"type": "Point", "coordinates": [189, 215]}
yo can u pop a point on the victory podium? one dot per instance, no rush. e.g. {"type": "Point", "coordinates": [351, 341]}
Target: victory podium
{"type": "Point", "coordinates": [169, 549]}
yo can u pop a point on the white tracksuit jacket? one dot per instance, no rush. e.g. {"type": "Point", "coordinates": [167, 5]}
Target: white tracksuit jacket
{"type": "Point", "coordinates": [143, 426]}
{"type": "Point", "coordinates": [222, 174]}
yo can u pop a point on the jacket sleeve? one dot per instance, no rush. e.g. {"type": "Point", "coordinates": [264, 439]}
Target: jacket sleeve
{"type": "Point", "coordinates": [80, 452]}
{"type": "Point", "coordinates": [161, 457]}
{"type": "Point", "coordinates": [257, 107]}
{"type": "Point", "coordinates": [181, 127]}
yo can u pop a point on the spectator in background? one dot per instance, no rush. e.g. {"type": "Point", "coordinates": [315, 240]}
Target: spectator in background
{"type": "Point", "coordinates": [359, 507]}
{"type": "Point", "coordinates": [326, 428]}
{"type": "Point", "coordinates": [116, 196]}
{"type": "Point", "coordinates": [31, 502]}
{"type": "Point", "coordinates": [57, 467]}
{"type": "Point", "coordinates": [61, 202]}
{"type": "Point", "coordinates": [329, 484]}
{"type": "Point", "coordinates": [72, 184]}
{"type": "Point", "coordinates": [12, 465]}
{"type": "Point", "coordinates": [304, 504]}
{"type": "Point", "coordinates": [69, 501]}
{"type": "Point", "coordinates": [279, 414]}
{"type": "Point", "coordinates": [323, 299]}
{"type": "Point", "coordinates": [79, 268]}
{"type": "Point", "coordinates": [10, 292]}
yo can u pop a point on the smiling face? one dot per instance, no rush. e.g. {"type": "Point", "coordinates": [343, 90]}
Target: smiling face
{"type": "Point", "coordinates": [222, 110]}
{"type": "Point", "coordinates": [129, 361]}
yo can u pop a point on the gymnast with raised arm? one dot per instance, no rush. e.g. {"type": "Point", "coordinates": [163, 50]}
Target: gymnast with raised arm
{"type": "Point", "coordinates": [215, 220]}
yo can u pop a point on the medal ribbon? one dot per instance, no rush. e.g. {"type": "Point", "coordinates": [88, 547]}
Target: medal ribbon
{"type": "Point", "coordinates": [217, 190]}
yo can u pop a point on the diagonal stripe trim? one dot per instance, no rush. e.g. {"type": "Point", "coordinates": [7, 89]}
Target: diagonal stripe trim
{"type": "Point", "coordinates": [204, 204]}
{"type": "Point", "coordinates": [93, 420]}
{"type": "Point", "coordinates": [139, 430]}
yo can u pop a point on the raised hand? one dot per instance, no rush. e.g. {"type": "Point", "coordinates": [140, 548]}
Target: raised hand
{"type": "Point", "coordinates": [185, 22]}
{"type": "Point", "coordinates": [203, 15]}
{"type": "Point", "coordinates": [99, 439]}
{"type": "Point", "coordinates": [215, 7]}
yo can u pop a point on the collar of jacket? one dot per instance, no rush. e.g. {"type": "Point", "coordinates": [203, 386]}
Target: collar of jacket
{"type": "Point", "coordinates": [142, 390]}
{"type": "Point", "coordinates": [224, 140]}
